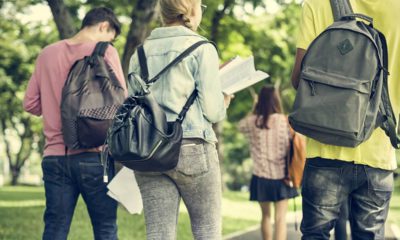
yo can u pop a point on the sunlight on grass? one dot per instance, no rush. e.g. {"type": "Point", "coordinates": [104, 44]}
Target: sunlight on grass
{"type": "Point", "coordinates": [22, 203]}
{"type": "Point", "coordinates": [22, 189]}
{"type": "Point", "coordinates": [27, 203]}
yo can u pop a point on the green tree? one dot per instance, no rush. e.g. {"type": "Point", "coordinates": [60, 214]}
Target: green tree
{"type": "Point", "coordinates": [141, 16]}
{"type": "Point", "coordinates": [269, 37]}
{"type": "Point", "coordinates": [19, 46]}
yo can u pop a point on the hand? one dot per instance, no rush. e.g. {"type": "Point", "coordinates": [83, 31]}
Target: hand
{"type": "Point", "coordinates": [227, 99]}
{"type": "Point", "coordinates": [288, 182]}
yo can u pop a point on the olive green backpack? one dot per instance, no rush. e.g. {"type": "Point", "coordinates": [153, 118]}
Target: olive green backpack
{"type": "Point", "coordinates": [343, 90]}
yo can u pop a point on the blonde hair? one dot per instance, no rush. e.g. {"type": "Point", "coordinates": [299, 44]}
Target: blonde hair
{"type": "Point", "coordinates": [173, 11]}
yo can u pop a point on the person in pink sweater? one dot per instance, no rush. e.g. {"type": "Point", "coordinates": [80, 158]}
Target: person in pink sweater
{"type": "Point", "coordinates": [66, 177]}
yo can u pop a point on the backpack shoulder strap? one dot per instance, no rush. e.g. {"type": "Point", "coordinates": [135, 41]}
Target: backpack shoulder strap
{"type": "Point", "coordinates": [178, 59]}
{"type": "Point", "coordinates": [144, 71]}
{"type": "Point", "coordinates": [185, 108]}
{"type": "Point", "coordinates": [193, 96]}
{"type": "Point", "coordinates": [341, 8]}
{"type": "Point", "coordinates": [100, 48]}
{"type": "Point", "coordinates": [389, 119]}
{"type": "Point", "coordinates": [184, 54]}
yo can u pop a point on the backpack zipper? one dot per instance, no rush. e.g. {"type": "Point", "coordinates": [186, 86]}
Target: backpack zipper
{"type": "Point", "coordinates": [149, 156]}
{"type": "Point", "coordinates": [153, 151]}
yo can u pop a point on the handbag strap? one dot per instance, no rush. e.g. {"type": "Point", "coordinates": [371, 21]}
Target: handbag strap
{"type": "Point", "coordinates": [288, 160]}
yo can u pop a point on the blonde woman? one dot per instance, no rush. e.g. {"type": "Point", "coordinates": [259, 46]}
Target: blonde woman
{"type": "Point", "coordinates": [196, 179]}
{"type": "Point", "coordinates": [267, 130]}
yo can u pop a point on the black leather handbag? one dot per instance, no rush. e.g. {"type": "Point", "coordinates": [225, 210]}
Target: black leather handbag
{"type": "Point", "coordinates": [140, 137]}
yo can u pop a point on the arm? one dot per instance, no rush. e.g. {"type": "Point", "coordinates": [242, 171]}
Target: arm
{"type": "Point", "coordinates": [307, 34]}
{"type": "Point", "coordinates": [113, 60]}
{"type": "Point", "coordinates": [297, 65]}
{"type": "Point", "coordinates": [32, 103]}
{"type": "Point", "coordinates": [208, 84]}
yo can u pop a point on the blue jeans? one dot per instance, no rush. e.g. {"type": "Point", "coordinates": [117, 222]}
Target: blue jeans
{"type": "Point", "coordinates": [328, 184]}
{"type": "Point", "coordinates": [64, 179]}
{"type": "Point", "coordinates": [341, 223]}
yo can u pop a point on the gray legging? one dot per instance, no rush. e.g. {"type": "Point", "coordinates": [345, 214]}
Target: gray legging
{"type": "Point", "coordinates": [197, 180]}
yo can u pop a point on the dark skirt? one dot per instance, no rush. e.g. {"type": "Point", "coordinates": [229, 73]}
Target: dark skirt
{"type": "Point", "coordinates": [270, 190]}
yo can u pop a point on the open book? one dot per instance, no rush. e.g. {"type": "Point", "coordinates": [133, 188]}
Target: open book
{"type": "Point", "coordinates": [238, 74]}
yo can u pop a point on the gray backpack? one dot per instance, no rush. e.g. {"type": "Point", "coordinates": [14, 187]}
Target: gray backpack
{"type": "Point", "coordinates": [91, 96]}
{"type": "Point", "coordinates": [343, 90]}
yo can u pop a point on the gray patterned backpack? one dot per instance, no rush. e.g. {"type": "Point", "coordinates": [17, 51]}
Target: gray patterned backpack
{"type": "Point", "coordinates": [90, 98]}
{"type": "Point", "coordinates": [343, 90]}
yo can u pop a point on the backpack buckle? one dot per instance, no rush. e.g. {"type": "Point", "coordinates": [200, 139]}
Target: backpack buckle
{"type": "Point", "coordinates": [179, 118]}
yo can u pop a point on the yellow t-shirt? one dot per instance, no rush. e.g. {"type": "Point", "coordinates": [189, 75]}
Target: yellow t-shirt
{"type": "Point", "coordinates": [316, 17]}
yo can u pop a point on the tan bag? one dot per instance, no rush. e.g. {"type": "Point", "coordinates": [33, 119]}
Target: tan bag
{"type": "Point", "coordinates": [295, 160]}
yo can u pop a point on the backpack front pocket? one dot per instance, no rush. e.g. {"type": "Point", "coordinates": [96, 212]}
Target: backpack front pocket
{"type": "Point", "coordinates": [332, 102]}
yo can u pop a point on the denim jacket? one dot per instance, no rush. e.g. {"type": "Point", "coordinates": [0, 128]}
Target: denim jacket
{"type": "Point", "coordinates": [200, 70]}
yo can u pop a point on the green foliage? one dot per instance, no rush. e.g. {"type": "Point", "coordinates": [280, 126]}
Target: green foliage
{"type": "Point", "coordinates": [19, 46]}
{"type": "Point", "coordinates": [269, 37]}
{"type": "Point", "coordinates": [236, 164]}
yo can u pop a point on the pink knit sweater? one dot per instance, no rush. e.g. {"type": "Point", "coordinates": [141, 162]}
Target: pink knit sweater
{"type": "Point", "coordinates": [268, 147]}
{"type": "Point", "coordinates": [43, 95]}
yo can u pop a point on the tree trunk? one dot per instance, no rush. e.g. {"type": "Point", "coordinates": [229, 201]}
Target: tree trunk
{"type": "Point", "coordinates": [216, 20]}
{"type": "Point", "coordinates": [142, 15]}
{"type": "Point", "coordinates": [18, 160]}
{"type": "Point", "coordinates": [14, 175]}
{"type": "Point", "coordinates": [62, 18]}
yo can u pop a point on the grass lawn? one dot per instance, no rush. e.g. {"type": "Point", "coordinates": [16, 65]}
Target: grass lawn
{"type": "Point", "coordinates": [21, 211]}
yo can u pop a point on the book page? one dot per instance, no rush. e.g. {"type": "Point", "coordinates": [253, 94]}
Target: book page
{"type": "Point", "coordinates": [245, 83]}
{"type": "Point", "coordinates": [239, 74]}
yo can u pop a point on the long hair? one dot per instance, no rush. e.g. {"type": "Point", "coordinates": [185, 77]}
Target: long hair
{"type": "Point", "coordinates": [268, 103]}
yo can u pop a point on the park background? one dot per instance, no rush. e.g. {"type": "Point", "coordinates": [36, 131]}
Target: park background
{"type": "Point", "coordinates": [266, 29]}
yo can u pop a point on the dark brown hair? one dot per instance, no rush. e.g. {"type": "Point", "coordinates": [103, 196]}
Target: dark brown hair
{"type": "Point", "coordinates": [102, 14]}
{"type": "Point", "coordinates": [268, 103]}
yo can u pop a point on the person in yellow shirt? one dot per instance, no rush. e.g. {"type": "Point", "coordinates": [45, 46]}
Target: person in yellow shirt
{"type": "Point", "coordinates": [362, 175]}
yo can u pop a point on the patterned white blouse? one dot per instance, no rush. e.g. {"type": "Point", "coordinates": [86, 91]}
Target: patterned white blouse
{"type": "Point", "coordinates": [268, 147]}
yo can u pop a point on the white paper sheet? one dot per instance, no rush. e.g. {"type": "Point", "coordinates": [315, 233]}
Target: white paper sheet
{"type": "Point", "coordinates": [124, 189]}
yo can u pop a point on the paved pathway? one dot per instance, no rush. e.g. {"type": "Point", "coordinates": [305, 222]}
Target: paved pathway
{"type": "Point", "coordinates": [392, 231]}
{"type": "Point", "coordinates": [254, 233]}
